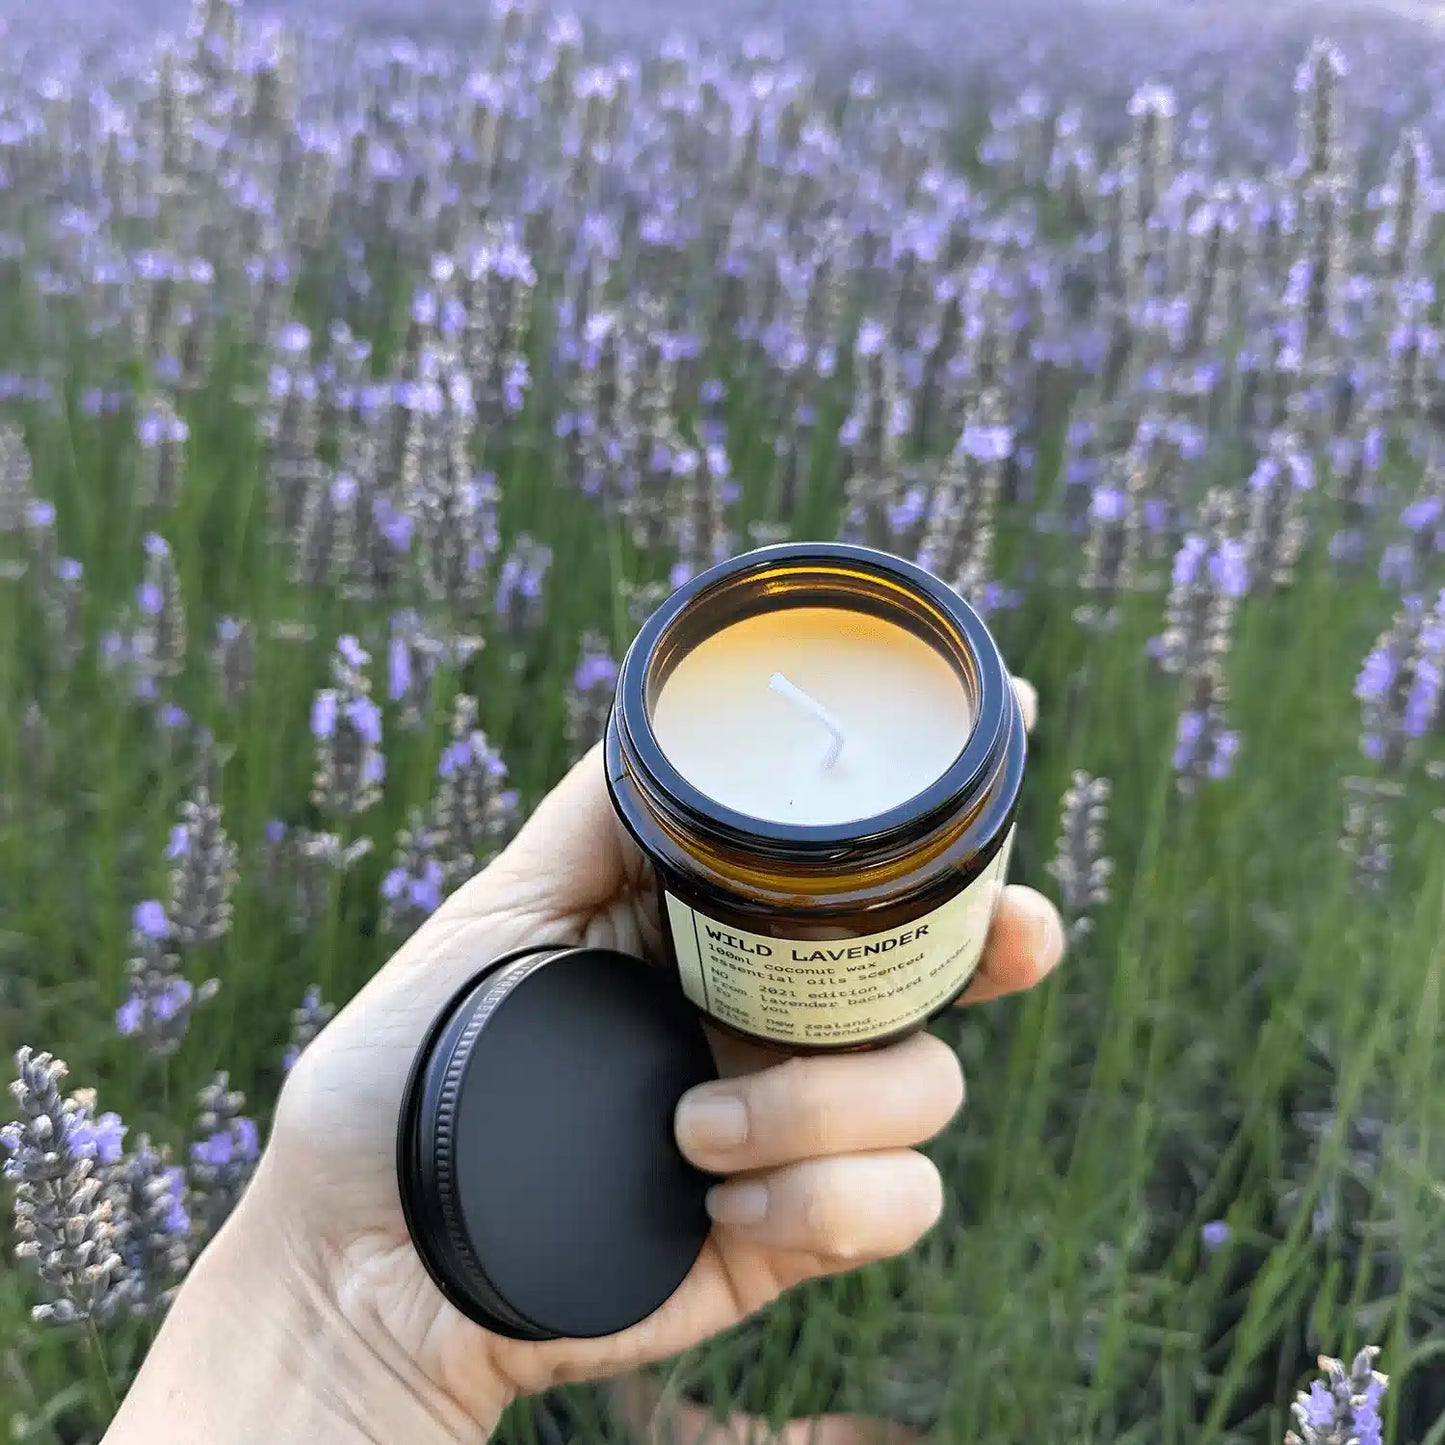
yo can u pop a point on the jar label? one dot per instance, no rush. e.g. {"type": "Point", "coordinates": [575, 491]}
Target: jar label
{"type": "Point", "coordinates": [839, 989]}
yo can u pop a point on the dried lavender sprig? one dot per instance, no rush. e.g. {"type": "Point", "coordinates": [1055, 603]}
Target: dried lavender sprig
{"type": "Point", "coordinates": [307, 1021]}
{"type": "Point", "coordinates": [223, 1156]}
{"type": "Point", "coordinates": [64, 1219]}
{"type": "Point", "coordinates": [1079, 865]}
{"type": "Point", "coordinates": [1344, 1408]}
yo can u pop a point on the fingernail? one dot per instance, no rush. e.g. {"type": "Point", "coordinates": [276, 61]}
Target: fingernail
{"type": "Point", "coordinates": [1048, 931]}
{"type": "Point", "coordinates": [707, 1121]}
{"type": "Point", "coordinates": [742, 1203]}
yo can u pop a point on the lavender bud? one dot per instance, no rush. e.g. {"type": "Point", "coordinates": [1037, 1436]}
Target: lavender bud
{"type": "Point", "coordinates": [307, 1022]}
{"type": "Point", "coordinates": [223, 1157]}
{"type": "Point", "coordinates": [1400, 237]}
{"type": "Point", "coordinates": [233, 658]}
{"type": "Point", "coordinates": [1210, 575]}
{"type": "Point", "coordinates": [1114, 543]}
{"type": "Point", "coordinates": [325, 539]}
{"type": "Point", "coordinates": [313, 862]}
{"type": "Point", "coordinates": [520, 601]}
{"type": "Point", "coordinates": [160, 999]}
{"type": "Point", "coordinates": [1275, 528]}
{"type": "Point", "coordinates": [203, 871]}
{"type": "Point", "coordinates": [1400, 684]}
{"type": "Point", "coordinates": [1368, 828]}
{"type": "Point", "coordinates": [1079, 864]}
{"type": "Point", "coordinates": [1150, 156]}
{"type": "Point", "coordinates": [346, 725]}
{"type": "Point", "coordinates": [475, 811]}
{"type": "Point", "coordinates": [589, 699]}
{"type": "Point", "coordinates": [153, 1230]}
{"type": "Point", "coordinates": [414, 887]}
{"type": "Point", "coordinates": [64, 1217]}
{"type": "Point", "coordinates": [1344, 1408]}
{"type": "Point", "coordinates": [958, 526]}
{"type": "Point", "coordinates": [62, 599]}
{"type": "Point", "coordinates": [1317, 84]}
{"type": "Point", "coordinates": [159, 641]}
{"type": "Point", "coordinates": [163, 436]}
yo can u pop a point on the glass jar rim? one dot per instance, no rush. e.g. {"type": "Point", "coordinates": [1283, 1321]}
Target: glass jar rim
{"type": "Point", "coordinates": [954, 788]}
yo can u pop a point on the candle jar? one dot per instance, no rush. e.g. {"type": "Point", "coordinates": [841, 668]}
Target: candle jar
{"type": "Point", "coordinates": [829, 932]}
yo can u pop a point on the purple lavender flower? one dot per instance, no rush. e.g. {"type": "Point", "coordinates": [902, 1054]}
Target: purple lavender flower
{"type": "Point", "coordinates": [307, 1022]}
{"type": "Point", "coordinates": [414, 887]}
{"type": "Point", "coordinates": [160, 999]}
{"type": "Point", "coordinates": [153, 1230]}
{"type": "Point", "coordinates": [1400, 683]}
{"type": "Point", "coordinates": [1214, 1235]}
{"type": "Point", "coordinates": [475, 812]}
{"type": "Point", "coordinates": [346, 724]}
{"type": "Point", "coordinates": [203, 871]}
{"type": "Point", "coordinates": [1344, 1407]}
{"type": "Point", "coordinates": [520, 600]}
{"type": "Point", "coordinates": [149, 920]}
{"type": "Point", "coordinates": [589, 700]}
{"type": "Point", "coordinates": [162, 435]}
{"type": "Point", "coordinates": [64, 1215]}
{"type": "Point", "coordinates": [233, 659]}
{"type": "Point", "coordinates": [1210, 574]}
{"type": "Point", "coordinates": [223, 1157]}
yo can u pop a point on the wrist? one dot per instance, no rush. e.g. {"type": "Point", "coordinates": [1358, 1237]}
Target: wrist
{"type": "Point", "coordinates": [259, 1345]}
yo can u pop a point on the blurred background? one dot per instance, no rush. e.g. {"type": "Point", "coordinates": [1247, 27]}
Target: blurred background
{"type": "Point", "coordinates": [367, 376]}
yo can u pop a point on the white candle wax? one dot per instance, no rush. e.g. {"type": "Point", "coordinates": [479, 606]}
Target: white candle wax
{"type": "Point", "coordinates": [753, 715]}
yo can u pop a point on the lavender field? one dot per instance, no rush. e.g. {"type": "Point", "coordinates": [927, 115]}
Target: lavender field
{"type": "Point", "coordinates": [360, 395]}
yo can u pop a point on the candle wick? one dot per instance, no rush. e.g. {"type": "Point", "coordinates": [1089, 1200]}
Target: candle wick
{"type": "Point", "coordinates": [794, 693]}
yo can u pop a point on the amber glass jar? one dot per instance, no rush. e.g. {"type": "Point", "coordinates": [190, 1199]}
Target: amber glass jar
{"type": "Point", "coordinates": [817, 936]}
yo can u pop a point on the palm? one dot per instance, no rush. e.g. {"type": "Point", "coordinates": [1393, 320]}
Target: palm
{"type": "Point", "coordinates": [570, 877]}
{"type": "Point", "coordinates": [334, 1143]}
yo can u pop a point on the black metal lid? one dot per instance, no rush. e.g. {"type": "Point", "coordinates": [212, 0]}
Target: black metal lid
{"type": "Point", "coordinates": [539, 1177]}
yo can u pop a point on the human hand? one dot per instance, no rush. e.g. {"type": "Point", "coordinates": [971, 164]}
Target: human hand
{"type": "Point", "coordinates": [822, 1173]}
